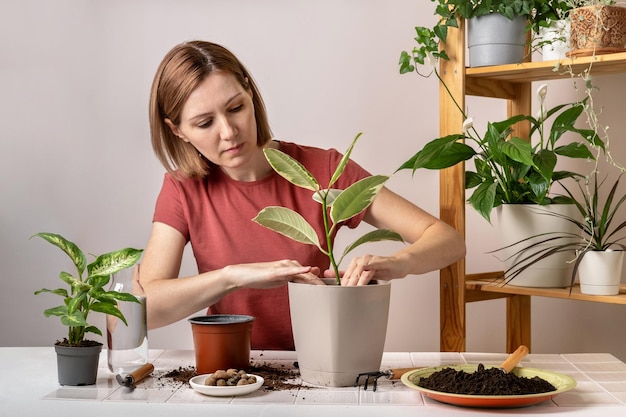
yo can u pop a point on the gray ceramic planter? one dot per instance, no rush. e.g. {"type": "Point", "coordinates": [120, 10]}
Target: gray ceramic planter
{"type": "Point", "coordinates": [495, 40]}
{"type": "Point", "coordinates": [77, 365]}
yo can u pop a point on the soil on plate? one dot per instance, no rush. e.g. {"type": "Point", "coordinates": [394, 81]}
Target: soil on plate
{"type": "Point", "coordinates": [484, 381]}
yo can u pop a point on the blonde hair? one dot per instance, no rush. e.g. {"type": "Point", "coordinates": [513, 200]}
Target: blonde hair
{"type": "Point", "coordinates": [181, 70]}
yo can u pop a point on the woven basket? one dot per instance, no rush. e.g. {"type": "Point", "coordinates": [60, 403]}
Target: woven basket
{"type": "Point", "coordinates": [598, 30]}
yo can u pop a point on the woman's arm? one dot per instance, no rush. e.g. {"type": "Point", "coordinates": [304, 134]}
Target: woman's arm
{"type": "Point", "coordinates": [432, 243]}
{"type": "Point", "coordinates": [171, 299]}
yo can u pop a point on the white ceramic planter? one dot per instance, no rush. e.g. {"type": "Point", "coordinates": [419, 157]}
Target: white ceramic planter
{"type": "Point", "coordinates": [520, 221]}
{"type": "Point", "coordinates": [556, 39]}
{"type": "Point", "coordinates": [495, 40]}
{"type": "Point", "coordinates": [600, 272]}
{"type": "Point", "coordinates": [338, 331]}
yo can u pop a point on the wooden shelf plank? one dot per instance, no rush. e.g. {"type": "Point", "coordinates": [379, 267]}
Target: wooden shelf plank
{"type": "Point", "coordinates": [547, 70]}
{"type": "Point", "coordinates": [498, 286]}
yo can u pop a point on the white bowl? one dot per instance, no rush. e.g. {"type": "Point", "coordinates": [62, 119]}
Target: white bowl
{"type": "Point", "coordinates": [197, 383]}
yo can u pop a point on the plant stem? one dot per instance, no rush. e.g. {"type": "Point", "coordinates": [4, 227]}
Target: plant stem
{"type": "Point", "coordinates": [329, 242]}
{"type": "Point", "coordinates": [501, 177]}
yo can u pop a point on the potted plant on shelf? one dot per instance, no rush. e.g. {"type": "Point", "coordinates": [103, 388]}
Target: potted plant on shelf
{"type": "Point", "coordinates": [346, 335]}
{"type": "Point", "coordinates": [496, 30]}
{"type": "Point", "coordinates": [513, 175]}
{"type": "Point", "coordinates": [77, 357]}
{"type": "Point", "coordinates": [599, 253]}
{"type": "Point", "coordinates": [552, 35]}
{"type": "Point", "coordinates": [597, 27]}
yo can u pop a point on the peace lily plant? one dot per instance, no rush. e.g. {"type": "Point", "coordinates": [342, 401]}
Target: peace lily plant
{"type": "Point", "coordinates": [509, 169]}
{"type": "Point", "coordinates": [86, 292]}
{"type": "Point", "coordinates": [336, 206]}
{"type": "Point", "coordinates": [599, 230]}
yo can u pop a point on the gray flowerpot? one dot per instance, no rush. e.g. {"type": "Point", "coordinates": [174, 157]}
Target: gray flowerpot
{"type": "Point", "coordinates": [339, 331]}
{"type": "Point", "coordinates": [77, 365]}
{"type": "Point", "coordinates": [495, 40]}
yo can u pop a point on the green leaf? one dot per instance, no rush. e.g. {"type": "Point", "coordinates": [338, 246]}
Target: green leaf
{"type": "Point", "coordinates": [77, 256]}
{"type": "Point", "coordinates": [472, 179]}
{"type": "Point", "coordinates": [290, 169]}
{"type": "Point", "coordinates": [518, 150]}
{"type": "Point", "coordinates": [574, 150]}
{"type": "Point", "coordinates": [56, 311]}
{"type": "Point", "coordinates": [564, 122]}
{"type": "Point", "coordinates": [76, 319]}
{"type": "Point", "coordinates": [545, 161]}
{"type": "Point", "coordinates": [343, 162]}
{"type": "Point", "coordinates": [93, 329]}
{"type": "Point", "coordinates": [483, 198]}
{"type": "Point", "coordinates": [122, 296]}
{"type": "Point", "coordinates": [373, 236]}
{"type": "Point", "coordinates": [440, 153]}
{"type": "Point", "coordinates": [75, 303]}
{"type": "Point", "coordinates": [67, 278]}
{"type": "Point", "coordinates": [108, 308]}
{"type": "Point", "coordinates": [288, 223]}
{"type": "Point", "coordinates": [59, 291]}
{"type": "Point", "coordinates": [539, 186]}
{"type": "Point", "coordinates": [112, 262]}
{"type": "Point", "coordinates": [356, 198]}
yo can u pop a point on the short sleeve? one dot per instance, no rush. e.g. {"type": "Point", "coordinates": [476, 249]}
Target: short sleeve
{"type": "Point", "coordinates": [170, 206]}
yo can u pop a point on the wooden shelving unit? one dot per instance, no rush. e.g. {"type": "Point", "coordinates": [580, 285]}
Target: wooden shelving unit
{"type": "Point", "coordinates": [512, 83]}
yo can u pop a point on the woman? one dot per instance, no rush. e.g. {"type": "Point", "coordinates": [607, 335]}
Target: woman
{"type": "Point", "coordinates": [209, 128]}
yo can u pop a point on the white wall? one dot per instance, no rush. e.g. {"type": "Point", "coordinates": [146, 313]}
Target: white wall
{"type": "Point", "coordinates": [76, 159]}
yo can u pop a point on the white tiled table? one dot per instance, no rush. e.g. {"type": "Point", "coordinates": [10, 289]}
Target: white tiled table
{"type": "Point", "coordinates": [29, 387]}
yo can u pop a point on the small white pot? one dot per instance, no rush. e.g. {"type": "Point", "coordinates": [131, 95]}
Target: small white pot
{"type": "Point", "coordinates": [600, 272]}
{"type": "Point", "coordinates": [338, 331]}
{"type": "Point", "coordinates": [557, 35]}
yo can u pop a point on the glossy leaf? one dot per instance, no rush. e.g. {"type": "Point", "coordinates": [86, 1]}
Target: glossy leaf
{"type": "Point", "coordinates": [112, 262]}
{"type": "Point", "coordinates": [344, 161]}
{"type": "Point", "coordinates": [288, 223]}
{"type": "Point", "coordinates": [356, 198]}
{"type": "Point", "coordinates": [70, 248]}
{"type": "Point", "coordinates": [373, 236]}
{"type": "Point", "coordinates": [440, 153]}
{"type": "Point", "coordinates": [290, 169]}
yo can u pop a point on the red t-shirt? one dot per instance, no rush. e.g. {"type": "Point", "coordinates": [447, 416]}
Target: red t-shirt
{"type": "Point", "coordinates": [215, 215]}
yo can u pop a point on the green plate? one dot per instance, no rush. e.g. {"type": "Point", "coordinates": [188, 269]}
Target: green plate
{"type": "Point", "coordinates": [561, 382]}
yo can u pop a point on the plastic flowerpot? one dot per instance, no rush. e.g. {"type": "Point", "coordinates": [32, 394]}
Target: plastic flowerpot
{"type": "Point", "coordinates": [221, 341]}
{"type": "Point", "coordinates": [77, 365]}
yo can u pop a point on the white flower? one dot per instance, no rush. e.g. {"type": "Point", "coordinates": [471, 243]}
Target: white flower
{"type": "Point", "coordinates": [542, 91]}
{"type": "Point", "coordinates": [467, 124]}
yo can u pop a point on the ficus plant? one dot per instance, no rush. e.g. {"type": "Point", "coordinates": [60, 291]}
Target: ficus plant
{"type": "Point", "coordinates": [336, 206]}
{"type": "Point", "coordinates": [86, 290]}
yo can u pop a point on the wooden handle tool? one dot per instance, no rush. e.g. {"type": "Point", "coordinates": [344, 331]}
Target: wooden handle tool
{"type": "Point", "coordinates": [514, 358]}
{"type": "Point", "coordinates": [129, 380]}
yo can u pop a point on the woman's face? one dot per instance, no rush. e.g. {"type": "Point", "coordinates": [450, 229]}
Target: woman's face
{"type": "Point", "coordinates": [218, 120]}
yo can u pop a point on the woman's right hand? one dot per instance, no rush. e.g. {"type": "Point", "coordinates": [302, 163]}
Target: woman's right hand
{"type": "Point", "coordinates": [264, 275]}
